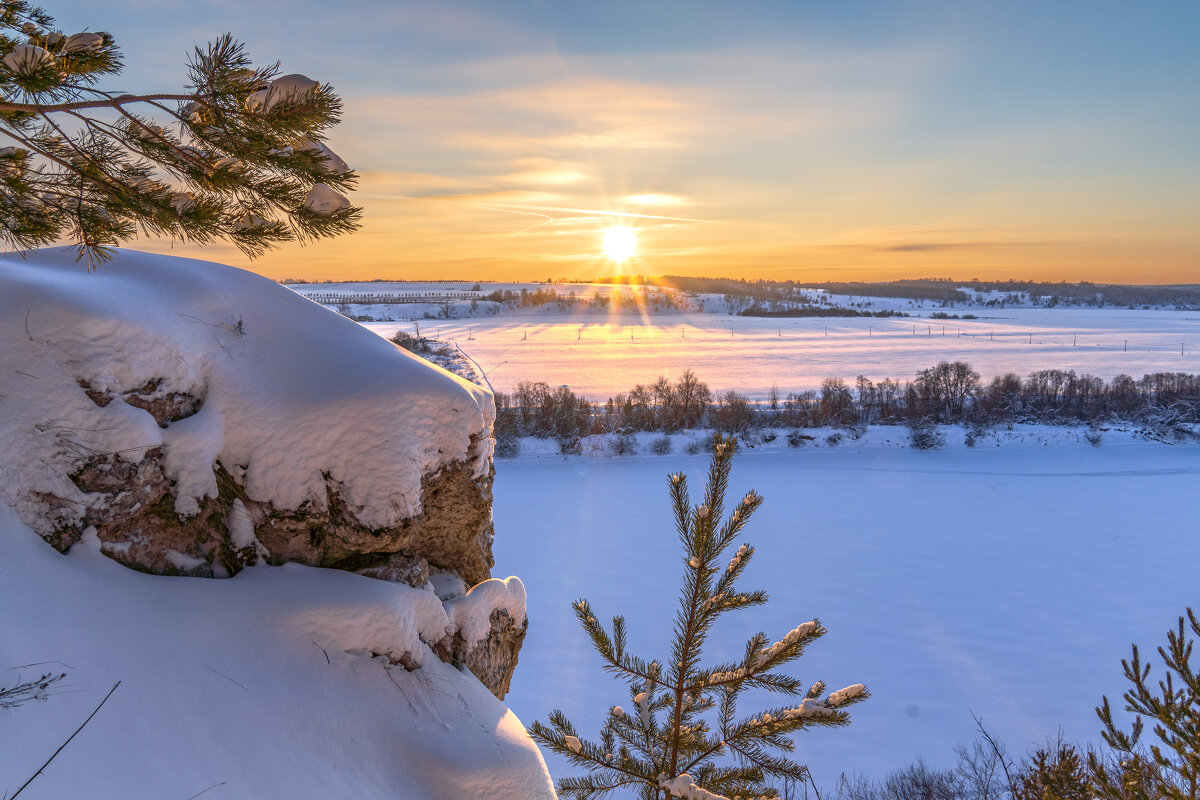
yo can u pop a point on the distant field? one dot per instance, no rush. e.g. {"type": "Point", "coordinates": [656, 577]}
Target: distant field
{"type": "Point", "coordinates": [599, 356]}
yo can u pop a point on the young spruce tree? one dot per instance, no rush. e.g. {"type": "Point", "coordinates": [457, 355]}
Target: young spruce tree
{"type": "Point", "coordinates": [238, 155]}
{"type": "Point", "coordinates": [684, 736]}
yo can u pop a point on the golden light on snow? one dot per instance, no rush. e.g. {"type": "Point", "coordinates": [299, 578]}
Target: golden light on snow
{"type": "Point", "coordinates": [620, 243]}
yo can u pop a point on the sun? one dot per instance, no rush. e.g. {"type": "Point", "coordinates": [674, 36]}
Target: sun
{"type": "Point", "coordinates": [620, 243]}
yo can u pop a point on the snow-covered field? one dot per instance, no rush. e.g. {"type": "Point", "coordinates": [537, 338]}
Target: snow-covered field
{"type": "Point", "coordinates": [1006, 581]}
{"type": "Point", "coordinates": [601, 356]}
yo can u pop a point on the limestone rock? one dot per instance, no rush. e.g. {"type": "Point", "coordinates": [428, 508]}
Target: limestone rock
{"type": "Point", "coordinates": [202, 419]}
{"type": "Point", "coordinates": [493, 659]}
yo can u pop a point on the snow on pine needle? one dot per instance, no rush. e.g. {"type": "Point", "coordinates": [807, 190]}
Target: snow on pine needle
{"type": "Point", "coordinates": [684, 736]}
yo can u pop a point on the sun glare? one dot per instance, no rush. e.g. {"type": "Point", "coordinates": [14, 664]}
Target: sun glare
{"type": "Point", "coordinates": [620, 243]}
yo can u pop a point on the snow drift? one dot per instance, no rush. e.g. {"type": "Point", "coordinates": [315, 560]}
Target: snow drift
{"type": "Point", "coordinates": [275, 683]}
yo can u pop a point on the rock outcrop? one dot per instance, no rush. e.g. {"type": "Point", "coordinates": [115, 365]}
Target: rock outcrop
{"type": "Point", "coordinates": [203, 420]}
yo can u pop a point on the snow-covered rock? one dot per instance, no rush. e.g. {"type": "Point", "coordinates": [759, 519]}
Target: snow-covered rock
{"type": "Point", "coordinates": [201, 419]}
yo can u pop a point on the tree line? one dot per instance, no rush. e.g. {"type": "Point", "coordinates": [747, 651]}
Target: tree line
{"type": "Point", "coordinates": [947, 393]}
{"type": "Point", "coordinates": [944, 290]}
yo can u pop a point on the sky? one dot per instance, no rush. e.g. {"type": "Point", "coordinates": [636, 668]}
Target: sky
{"type": "Point", "coordinates": [784, 140]}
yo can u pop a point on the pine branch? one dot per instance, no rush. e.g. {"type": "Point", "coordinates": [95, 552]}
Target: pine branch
{"type": "Point", "coordinates": [247, 161]}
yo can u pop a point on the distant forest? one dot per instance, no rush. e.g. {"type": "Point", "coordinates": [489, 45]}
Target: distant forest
{"type": "Point", "coordinates": [944, 290]}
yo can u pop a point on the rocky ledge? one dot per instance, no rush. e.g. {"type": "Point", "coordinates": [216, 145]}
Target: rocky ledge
{"type": "Point", "coordinates": [202, 420]}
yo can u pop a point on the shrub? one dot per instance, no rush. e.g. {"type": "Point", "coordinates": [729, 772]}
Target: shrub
{"type": "Point", "coordinates": [661, 446]}
{"type": "Point", "coordinates": [413, 344]}
{"type": "Point", "coordinates": [924, 435]}
{"type": "Point", "coordinates": [622, 444]}
{"type": "Point", "coordinates": [797, 439]}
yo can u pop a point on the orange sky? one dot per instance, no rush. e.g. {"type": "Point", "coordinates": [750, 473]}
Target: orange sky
{"type": "Point", "coordinates": [785, 140]}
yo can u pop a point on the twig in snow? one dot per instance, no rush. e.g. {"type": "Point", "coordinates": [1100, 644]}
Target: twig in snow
{"type": "Point", "coordinates": [41, 663]}
{"type": "Point", "coordinates": [231, 680]}
{"type": "Point", "coordinates": [67, 742]}
{"type": "Point", "coordinates": [322, 649]}
{"type": "Point", "coordinates": [209, 789]}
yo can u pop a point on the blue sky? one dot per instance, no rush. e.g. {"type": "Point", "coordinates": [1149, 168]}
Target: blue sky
{"type": "Point", "coordinates": [850, 140]}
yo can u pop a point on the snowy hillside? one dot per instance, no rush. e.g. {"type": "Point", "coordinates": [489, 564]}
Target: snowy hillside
{"type": "Point", "coordinates": [183, 417]}
{"type": "Point", "coordinates": [263, 685]}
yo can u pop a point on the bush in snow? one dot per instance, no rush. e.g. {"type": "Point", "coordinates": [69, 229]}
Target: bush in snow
{"type": "Point", "coordinates": [923, 435]}
{"type": "Point", "coordinates": [661, 446]}
{"type": "Point", "coordinates": [622, 444]}
{"type": "Point", "coordinates": [683, 724]}
{"type": "Point", "coordinates": [413, 344]}
{"type": "Point", "coordinates": [237, 156]}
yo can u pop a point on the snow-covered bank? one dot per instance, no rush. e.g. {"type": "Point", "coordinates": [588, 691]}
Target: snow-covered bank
{"type": "Point", "coordinates": [1006, 581]}
{"type": "Point", "coordinates": [865, 439]}
{"type": "Point", "coordinates": [260, 686]}
{"type": "Point", "coordinates": [184, 417]}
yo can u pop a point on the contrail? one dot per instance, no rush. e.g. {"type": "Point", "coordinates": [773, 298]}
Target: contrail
{"type": "Point", "coordinates": [538, 211]}
{"type": "Point", "coordinates": [547, 219]}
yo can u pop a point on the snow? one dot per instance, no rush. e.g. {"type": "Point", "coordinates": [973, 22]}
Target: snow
{"type": "Point", "coordinates": [324, 200]}
{"type": "Point", "coordinates": [263, 685]}
{"type": "Point", "coordinates": [600, 356]}
{"type": "Point", "coordinates": [846, 693]}
{"type": "Point", "coordinates": [333, 162]}
{"type": "Point", "coordinates": [291, 392]}
{"type": "Point", "coordinates": [471, 613]}
{"type": "Point", "coordinates": [241, 528]}
{"type": "Point", "coordinates": [683, 786]}
{"type": "Point", "coordinates": [1008, 580]}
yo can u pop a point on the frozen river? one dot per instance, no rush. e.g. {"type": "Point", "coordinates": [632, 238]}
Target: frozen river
{"type": "Point", "coordinates": [1003, 581]}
